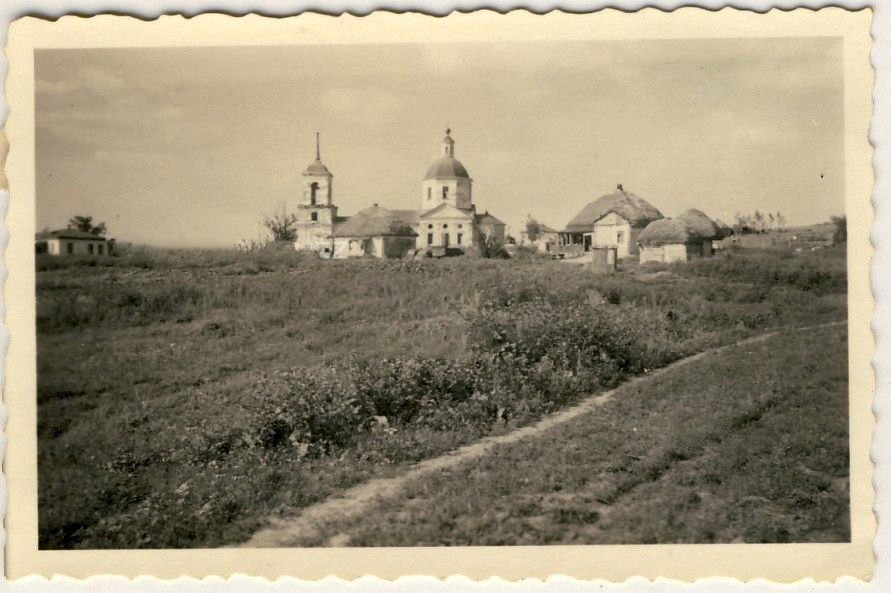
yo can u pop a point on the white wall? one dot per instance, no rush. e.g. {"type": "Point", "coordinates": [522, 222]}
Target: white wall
{"type": "Point", "coordinates": [613, 231]}
{"type": "Point", "coordinates": [78, 247]}
{"type": "Point", "coordinates": [460, 193]}
{"type": "Point", "coordinates": [442, 227]}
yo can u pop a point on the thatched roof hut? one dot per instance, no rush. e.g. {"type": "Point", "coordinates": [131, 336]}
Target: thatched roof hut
{"type": "Point", "coordinates": [374, 222]}
{"type": "Point", "coordinates": [668, 231]}
{"type": "Point", "coordinates": [637, 211]}
{"type": "Point", "coordinates": [700, 224]}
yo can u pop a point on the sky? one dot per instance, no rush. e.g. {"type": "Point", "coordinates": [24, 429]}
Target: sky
{"type": "Point", "coordinates": [189, 147]}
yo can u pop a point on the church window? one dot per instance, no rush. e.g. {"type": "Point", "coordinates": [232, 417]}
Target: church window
{"type": "Point", "coordinates": [429, 226]}
{"type": "Point", "coordinates": [314, 216]}
{"type": "Point", "coordinates": [429, 238]}
{"type": "Point", "coordinates": [460, 226]}
{"type": "Point", "coordinates": [429, 193]}
{"type": "Point", "coordinates": [313, 188]}
{"type": "Point", "coordinates": [445, 226]}
{"type": "Point", "coordinates": [445, 192]}
{"type": "Point", "coordinates": [459, 237]}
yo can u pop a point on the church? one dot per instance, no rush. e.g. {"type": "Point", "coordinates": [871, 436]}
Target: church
{"type": "Point", "coordinates": [446, 223]}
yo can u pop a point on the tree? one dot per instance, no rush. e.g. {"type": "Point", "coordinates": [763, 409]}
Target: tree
{"type": "Point", "coordinates": [841, 230]}
{"type": "Point", "coordinates": [781, 220]}
{"type": "Point", "coordinates": [281, 224]}
{"type": "Point", "coordinates": [533, 229]}
{"type": "Point", "coordinates": [758, 220]}
{"type": "Point", "coordinates": [85, 224]}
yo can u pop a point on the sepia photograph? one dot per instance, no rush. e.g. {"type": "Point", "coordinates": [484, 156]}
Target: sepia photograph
{"type": "Point", "coordinates": [439, 294]}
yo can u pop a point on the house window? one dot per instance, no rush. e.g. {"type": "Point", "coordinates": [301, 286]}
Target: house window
{"type": "Point", "coordinates": [429, 238]}
{"type": "Point", "coordinates": [90, 248]}
{"type": "Point", "coordinates": [445, 192]}
{"type": "Point", "coordinates": [70, 247]}
{"type": "Point", "coordinates": [314, 216]}
{"type": "Point", "coordinates": [620, 236]}
{"type": "Point", "coordinates": [100, 247]}
{"type": "Point", "coordinates": [459, 237]}
{"type": "Point", "coordinates": [429, 193]}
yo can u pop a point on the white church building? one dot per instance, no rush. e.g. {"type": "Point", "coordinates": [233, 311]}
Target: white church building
{"type": "Point", "coordinates": [447, 221]}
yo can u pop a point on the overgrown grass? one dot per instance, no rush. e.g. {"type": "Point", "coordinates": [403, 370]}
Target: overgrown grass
{"type": "Point", "coordinates": [189, 396]}
{"type": "Point", "coordinates": [749, 446]}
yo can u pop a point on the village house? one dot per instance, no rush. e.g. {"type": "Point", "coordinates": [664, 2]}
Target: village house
{"type": "Point", "coordinates": [612, 220]}
{"type": "Point", "coordinates": [689, 236]}
{"type": "Point", "coordinates": [66, 242]}
{"type": "Point", "coordinates": [446, 222]}
{"type": "Point", "coordinates": [546, 241]}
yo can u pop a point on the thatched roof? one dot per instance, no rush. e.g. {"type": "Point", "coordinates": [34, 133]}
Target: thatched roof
{"type": "Point", "coordinates": [699, 223]}
{"type": "Point", "coordinates": [374, 222]}
{"type": "Point", "coordinates": [668, 231]}
{"type": "Point", "coordinates": [637, 211]}
{"type": "Point", "coordinates": [725, 229]}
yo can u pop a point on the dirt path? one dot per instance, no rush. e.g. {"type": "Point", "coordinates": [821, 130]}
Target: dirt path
{"type": "Point", "coordinates": [356, 501]}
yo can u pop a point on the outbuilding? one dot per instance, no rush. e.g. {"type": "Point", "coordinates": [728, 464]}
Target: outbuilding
{"type": "Point", "coordinates": [612, 220]}
{"type": "Point", "coordinates": [671, 240]}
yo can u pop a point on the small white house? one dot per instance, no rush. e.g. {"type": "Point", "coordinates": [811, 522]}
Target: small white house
{"type": "Point", "coordinates": [672, 240]}
{"type": "Point", "coordinates": [72, 242]}
{"type": "Point", "coordinates": [612, 220]}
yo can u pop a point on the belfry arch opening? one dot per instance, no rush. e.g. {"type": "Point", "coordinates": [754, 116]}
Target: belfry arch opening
{"type": "Point", "coordinates": [313, 192]}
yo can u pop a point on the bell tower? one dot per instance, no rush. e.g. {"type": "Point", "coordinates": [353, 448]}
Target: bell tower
{"type": "Point", "coordinates": [316, 212]}
{"type": "Point", "coordinates": [317, 182]}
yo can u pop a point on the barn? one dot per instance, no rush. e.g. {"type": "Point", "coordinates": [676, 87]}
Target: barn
{"type": "Point", "coordinates": [612, 220]}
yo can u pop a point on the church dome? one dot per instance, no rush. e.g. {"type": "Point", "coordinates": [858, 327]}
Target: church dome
{"type": "Point", "coordinates": [446, 167]}
{"type": "Point", "coordinates": [317, 168]}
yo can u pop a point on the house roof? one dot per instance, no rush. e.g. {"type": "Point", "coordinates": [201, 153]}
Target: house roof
{"type": "Point", "coordinates": [446, 167]}
{"type": "Point", "coordinates": [374, 222]}
{"type": "Point", "coordinates": [546, 229]}
{"type": "Point", "coordinates": [486, 218]}
{"type": "Point", "coordinates": [70, 234]}
{"type": "Point", "coordinates": [701, 224]}
{"type": "Point", "coordinates": [668, 231]}
{"type": "Point", "coordinates": [637, 211]}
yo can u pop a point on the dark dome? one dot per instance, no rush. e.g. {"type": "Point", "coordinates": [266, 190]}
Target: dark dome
{"type": "Point", "coordinates": [446, 167]}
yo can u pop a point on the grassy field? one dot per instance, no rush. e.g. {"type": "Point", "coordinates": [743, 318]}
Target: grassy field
{"type": "Point", "coordinates": [188, 396]}
{"type": "Point", "coordinates": [747, 446]}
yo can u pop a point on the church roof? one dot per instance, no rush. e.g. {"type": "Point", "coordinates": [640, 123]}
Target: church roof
{"type": "Point", "coordinates": [374, 222]}
{"type": "Point", "coordinates": [637, 211]}
{"type": "Point", "coordinates": [446, 167]}
{"type": "Point", "coordinates": [317, 168]}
